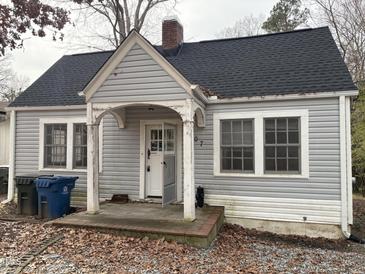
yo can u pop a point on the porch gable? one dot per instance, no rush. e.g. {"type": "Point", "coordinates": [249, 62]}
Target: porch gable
{"type": "Point", "coordinates": [137, 72]}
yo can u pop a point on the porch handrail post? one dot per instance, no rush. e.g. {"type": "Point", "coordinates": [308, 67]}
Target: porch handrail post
{"type": "Point", "coordinates": [92, 162]}
{"type": "Point", "coordinates": [188, 154]}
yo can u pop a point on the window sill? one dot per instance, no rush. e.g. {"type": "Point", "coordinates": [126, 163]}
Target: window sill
{"type": "Point", "coordinates": [63, 170]}
{"type": "Point", "coordinates": [253, 175]}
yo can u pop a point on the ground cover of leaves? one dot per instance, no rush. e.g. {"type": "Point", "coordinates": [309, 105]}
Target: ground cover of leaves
{"type": "Point", "coordinates": [236, 250]}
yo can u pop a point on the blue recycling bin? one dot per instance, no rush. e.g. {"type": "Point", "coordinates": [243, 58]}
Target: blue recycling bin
{"type": "Point", "coordinates": [54, 196]}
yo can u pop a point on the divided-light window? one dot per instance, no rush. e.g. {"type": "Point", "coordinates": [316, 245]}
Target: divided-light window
{"type": "Point", "coordinates": [62, 152]}
{"type": "Point", "coordinates": [282, 145]}
{"type": "Point", "coordinates": [55, 146]}
{"type": "Point", "coordinates": [237, 145]}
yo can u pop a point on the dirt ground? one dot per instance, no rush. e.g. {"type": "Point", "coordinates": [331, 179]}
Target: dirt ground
{"type": "Point", "coordinates": [358, 228]}
{"type": "Point", "coordinates": [236, 250]}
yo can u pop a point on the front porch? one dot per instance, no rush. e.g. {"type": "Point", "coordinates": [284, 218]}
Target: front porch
{"type": "Point", "coordinates": [154, 134]}
{"type": "Point", "coordinates": [151, 220]}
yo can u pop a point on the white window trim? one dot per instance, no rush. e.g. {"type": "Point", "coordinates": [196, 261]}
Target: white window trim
{"type": "Point", "coordinates": [258, 117]}
{"type": "Point", "coordinates": [70, 133]}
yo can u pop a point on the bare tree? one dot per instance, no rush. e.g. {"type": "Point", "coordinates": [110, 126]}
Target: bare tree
{"type": "Point", "coordinates": [11, 84]}
{"type": "Point", "coordinates": [120, 16]}
{"type": "Point", "coordinates": [247, 26]}
{"type": "Point", "coordinates": [347, 21]}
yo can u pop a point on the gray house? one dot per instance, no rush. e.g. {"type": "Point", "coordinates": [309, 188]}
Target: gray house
{"type": "Point", "coordinates": [262, 123]}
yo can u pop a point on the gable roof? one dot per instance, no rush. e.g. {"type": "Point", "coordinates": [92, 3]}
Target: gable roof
{"type": "Point", "coordinates": [303, 61]}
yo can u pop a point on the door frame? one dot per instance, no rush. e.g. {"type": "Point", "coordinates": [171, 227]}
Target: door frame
{"type": "Point", "coordinates": [142, 155]}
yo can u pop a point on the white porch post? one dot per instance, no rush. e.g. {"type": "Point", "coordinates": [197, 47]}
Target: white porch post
{"type": "Point", "coordinates": [92, 161]}
{"type": "Point", "coordinates": [188, 154]}
{"type": "Point", "coordinates": [11, 186]}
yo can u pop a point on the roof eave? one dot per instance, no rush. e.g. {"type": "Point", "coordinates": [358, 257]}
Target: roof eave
{"type": "Point", "coordinates": [282, 97]}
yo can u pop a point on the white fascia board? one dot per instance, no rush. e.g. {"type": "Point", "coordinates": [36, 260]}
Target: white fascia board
{"type": "Point", "coordinates": [45, 108]}
{"type": "Point", "coordinates": [132, 39]}
{"type": "Point", "coordinates": [297, 96]}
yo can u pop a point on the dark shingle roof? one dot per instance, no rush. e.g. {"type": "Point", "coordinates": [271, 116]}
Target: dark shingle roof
{"type": "Point", "coordinates": [303, 61]}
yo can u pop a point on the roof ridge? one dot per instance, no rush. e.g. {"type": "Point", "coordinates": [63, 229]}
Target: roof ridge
{"type": "Point", "coordinates": [260, 35]}
{"type": "Point", "coordinates": [214, 40]}
{"type": "Point", "coordinates": [91, 52]}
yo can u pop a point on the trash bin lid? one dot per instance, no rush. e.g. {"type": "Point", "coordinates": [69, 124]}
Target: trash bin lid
{"type": "Point", "coordinates": [28, 179]}
{"type": "Point", "coordinates": [46, 182]}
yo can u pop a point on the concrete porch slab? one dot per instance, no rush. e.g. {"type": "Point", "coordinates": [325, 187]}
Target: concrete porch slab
{"type": "Point", "coordinates": [151, 220]}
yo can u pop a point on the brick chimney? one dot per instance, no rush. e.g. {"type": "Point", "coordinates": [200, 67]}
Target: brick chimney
{"type": "Point", "coordinates": [172, 33]}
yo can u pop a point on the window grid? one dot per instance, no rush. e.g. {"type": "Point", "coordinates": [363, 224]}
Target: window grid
{"type": "Point", "coordinates": [237, 145]}
{"type": "Point", "coordinates": [282, 145]}
{"type": "Point", "coordinates": [55, 147]}
{"type": "Point", "coordinates": [80, 146]}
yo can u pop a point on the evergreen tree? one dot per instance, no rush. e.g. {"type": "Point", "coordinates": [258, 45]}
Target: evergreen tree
{"type": "Point", "coordinates": [286, 15]}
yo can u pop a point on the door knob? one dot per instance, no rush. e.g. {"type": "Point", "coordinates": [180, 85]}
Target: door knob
{"type": "Point", "coordinates": [148, 168]}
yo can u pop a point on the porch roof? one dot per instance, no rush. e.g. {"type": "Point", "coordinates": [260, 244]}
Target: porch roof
{"type": "Point", "coordinates": [303, 61]}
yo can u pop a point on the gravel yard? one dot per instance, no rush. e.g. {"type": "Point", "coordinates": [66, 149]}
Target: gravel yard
{"type": "Point", "coordinates": [235, 250]}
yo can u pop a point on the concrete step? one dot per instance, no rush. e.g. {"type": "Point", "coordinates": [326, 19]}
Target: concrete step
{"type": "Point", "coordinates": [152, 221]}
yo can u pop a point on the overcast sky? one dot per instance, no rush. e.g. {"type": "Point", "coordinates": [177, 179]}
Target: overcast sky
{"type": "Point", "coordinates": [202, 19]}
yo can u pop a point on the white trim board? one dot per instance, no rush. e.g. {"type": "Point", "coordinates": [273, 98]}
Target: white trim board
{"type": "Point", "coordinates": [259, 141]}
{"type": "Point", "coordinates": [284, 97]}
{"type": "Point", "coordinates": [70, 122]}
{"type": "Point", "coordinates": [142, 156]}
{"type": "Point", "coordinates": [215, 100]}
{"type": "Point", "coordinates": [40, 108]}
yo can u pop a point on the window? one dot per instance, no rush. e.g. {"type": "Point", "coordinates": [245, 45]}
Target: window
{"type": "Point", "coordinates": [63, 144]}
{"type": "Point", "coordinates": [55, 147]}
{"type": "Point", "coordinates": [273, 143]}
{"type": "Point", "coordinates": [80, 146]}
{"type": "Point", "coordinates": [237, 145]}
{"type": "Point", "coordinates": [282, 145]}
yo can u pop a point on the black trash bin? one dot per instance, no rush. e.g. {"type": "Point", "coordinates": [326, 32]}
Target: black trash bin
{"type": "Point", "coordinates": [27, 194]}
{"type": "Point", "coordinates": [4, 180]}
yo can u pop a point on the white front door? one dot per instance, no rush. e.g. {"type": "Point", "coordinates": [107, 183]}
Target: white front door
{"type": "Point", "coordinates": [154, 159]}
{"type": "Point", "coordinates": [169, 191]}
{"type": "Point", "coordinates": [161, 162]}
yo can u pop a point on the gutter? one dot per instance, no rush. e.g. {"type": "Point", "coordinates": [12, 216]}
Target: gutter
{"type": "Point", "coordinates": [294, 96]}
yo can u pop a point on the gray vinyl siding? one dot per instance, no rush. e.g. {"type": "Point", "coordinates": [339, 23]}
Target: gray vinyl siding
{"type": "Point", "coordinates": [315, 199]}
{"type": "Point", "coordinates": [27, 143]}
{"type": "Point", "coordinates": [139, 78]}
{"type": "Point", "coordinates": [324, 155]}
{"type": "Point", "coordinates": [120, 170]}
